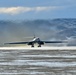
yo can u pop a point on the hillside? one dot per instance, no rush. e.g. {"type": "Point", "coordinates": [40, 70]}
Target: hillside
{"type": "Point", "coordinates": [55, 29]}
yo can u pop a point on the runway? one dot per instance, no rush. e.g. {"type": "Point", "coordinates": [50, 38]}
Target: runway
{"type": "Point", "coordinates": [37, 61]}
{"type": "Point", "coordinates": [40, 48]}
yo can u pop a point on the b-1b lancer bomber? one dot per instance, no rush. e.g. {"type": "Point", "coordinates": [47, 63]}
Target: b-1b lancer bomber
{"type": "Point", "coordinates": [36, 40]}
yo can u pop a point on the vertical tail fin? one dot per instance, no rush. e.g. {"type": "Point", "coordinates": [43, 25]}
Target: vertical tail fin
{"type": "Point", "coordinates": [34, 36]}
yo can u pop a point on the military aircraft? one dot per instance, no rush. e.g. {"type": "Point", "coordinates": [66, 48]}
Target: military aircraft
{"type": "Point", "coordinates": [36, 40]}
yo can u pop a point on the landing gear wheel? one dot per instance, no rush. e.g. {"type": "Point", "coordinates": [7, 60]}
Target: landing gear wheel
{"type": "Point", "coordinates": [32, 46]}
{"type": "Point", "coordinates": [39, 46]}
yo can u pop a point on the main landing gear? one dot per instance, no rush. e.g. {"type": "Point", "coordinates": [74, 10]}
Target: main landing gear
{"type": "Point", "coordinates": [39, 45]}
{"type": "Point", "coordinates": [33, 45]}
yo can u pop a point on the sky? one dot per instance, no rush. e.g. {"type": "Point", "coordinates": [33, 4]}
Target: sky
{"type": "Point", "coordinates": [37, 9]}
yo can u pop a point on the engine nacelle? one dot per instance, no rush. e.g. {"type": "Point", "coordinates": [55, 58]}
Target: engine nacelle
{"type": "Point", "coordinates": [42, 43]}
{"type": "Point", "coordinates": [30, 43]}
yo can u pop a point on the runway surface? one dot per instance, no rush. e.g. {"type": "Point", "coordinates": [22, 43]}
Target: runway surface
{"type": "Point", "coordinates": [36, 61]}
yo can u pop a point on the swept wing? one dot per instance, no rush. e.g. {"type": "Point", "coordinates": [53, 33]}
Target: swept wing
{"type": "Point", "coordinates": [17, 43]}
{"type": "Point", "coordinates": [53, 41]}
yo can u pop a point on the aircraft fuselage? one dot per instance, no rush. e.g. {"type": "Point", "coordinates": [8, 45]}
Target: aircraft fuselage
{"type": "Point", "coordinates": [36, 40]}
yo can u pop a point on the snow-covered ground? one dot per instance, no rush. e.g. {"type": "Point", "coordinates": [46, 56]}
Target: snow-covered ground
{"type": "Point", "coordinates": [38, 61]}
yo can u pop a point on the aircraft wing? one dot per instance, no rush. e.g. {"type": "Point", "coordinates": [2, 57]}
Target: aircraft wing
{"type": "Point", "coordinates": [54, 41]}
{"type": "Point", "coordinates": [18, 43]}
